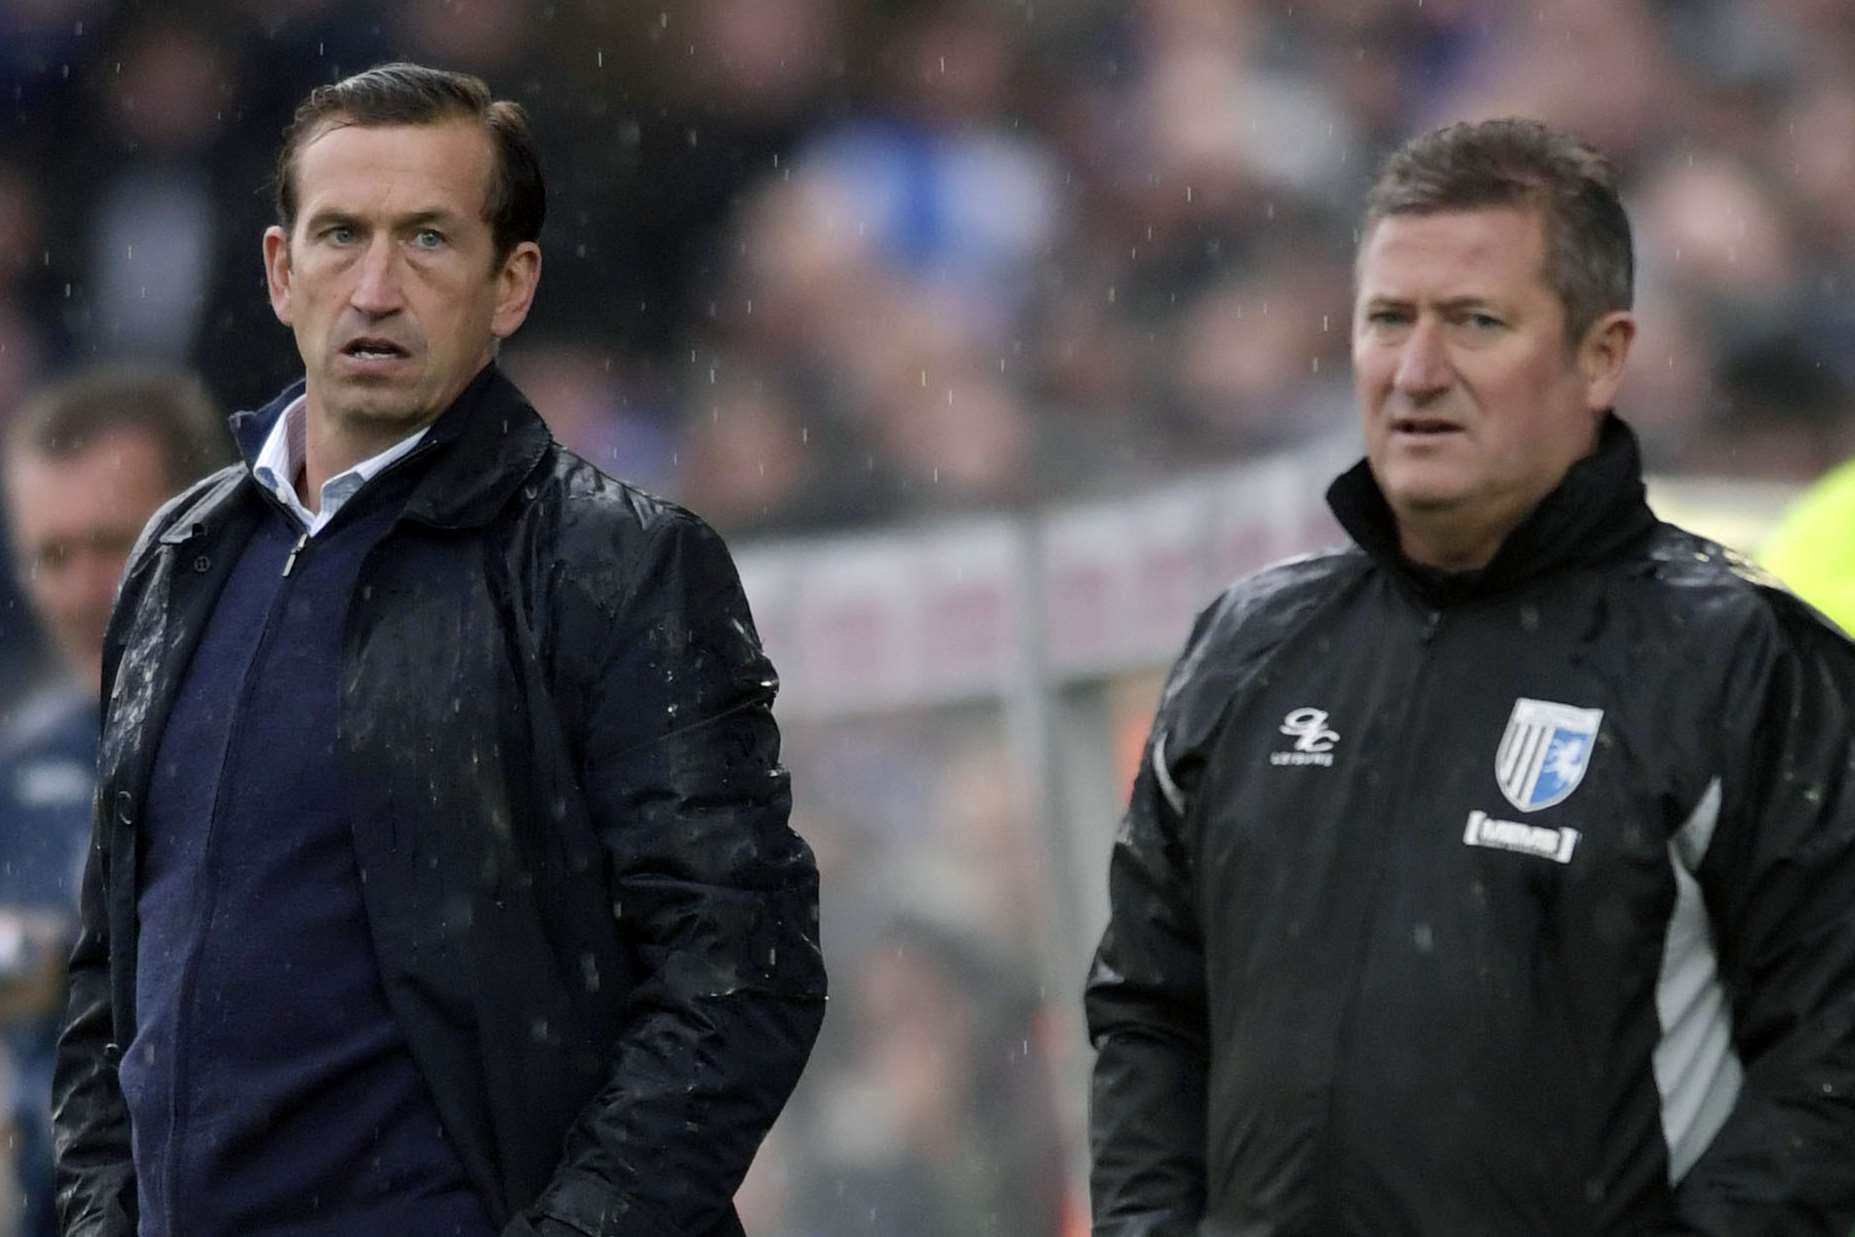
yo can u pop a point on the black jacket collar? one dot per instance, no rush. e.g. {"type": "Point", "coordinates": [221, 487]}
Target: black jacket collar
{"type": "Point", "coordinates": [480, 449]}
{"type": "Point", "coordinates": [1597, 510]}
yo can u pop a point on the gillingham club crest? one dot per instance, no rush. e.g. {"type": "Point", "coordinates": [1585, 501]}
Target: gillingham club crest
{"type": "Point", "coordinates": [1545, 751]}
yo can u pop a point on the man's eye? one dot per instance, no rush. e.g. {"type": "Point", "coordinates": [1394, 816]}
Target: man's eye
{"type": "Point", "coordinates": [1483, 322]}
{"type": "Point", "coordinates": [428, 238]}
{"type": "Point", "coordinates": [340, 234]}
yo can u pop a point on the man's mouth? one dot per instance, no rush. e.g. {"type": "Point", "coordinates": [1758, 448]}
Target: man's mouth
{"type": "Point", "coordinates": [371, 348]}
{"type": "Point", "coordinates": [1424, 425]}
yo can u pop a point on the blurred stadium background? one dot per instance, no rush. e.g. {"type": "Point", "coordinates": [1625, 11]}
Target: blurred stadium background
{"type": "Point", "coordinates": [997, 335]}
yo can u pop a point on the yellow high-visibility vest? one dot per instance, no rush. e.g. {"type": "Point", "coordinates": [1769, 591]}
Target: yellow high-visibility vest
{"type": "Point", "coordinates": [1813, 548]}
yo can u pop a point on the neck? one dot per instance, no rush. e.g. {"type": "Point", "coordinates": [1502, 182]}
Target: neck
{"type": "Point", "coordinates": [330, 450]}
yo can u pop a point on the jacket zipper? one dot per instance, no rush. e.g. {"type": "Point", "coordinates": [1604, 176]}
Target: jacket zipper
{"type": "Point", "coordinates": [289, 564]}
{"type": "Point", "coordinates": [1327, 1206]}
{"type": "Point", "coordinates": [302, 542]}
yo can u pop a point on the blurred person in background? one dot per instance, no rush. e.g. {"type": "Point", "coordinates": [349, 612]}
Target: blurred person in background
{"type": "Point", "coordinates": [1137, 165]}
{"type": "Point", "coordinates": [1490, 875]}
{"type": "Point", "coordinates": [153, 233]}
{"type": "Point", "coordinates": [600, 411]}
{"type": "Point", "coordinates": [29, 334]}
{"type": "Point", "coordinates": [87, 460]}
{"type": "Point", "coordinates": [31, 343]}
{"type": "Point", "coordinates": [442, 881]}
{"type": "Point", "coordinates": [943, 1121]}
{"type": "Point", "coordinates": [950, 195]}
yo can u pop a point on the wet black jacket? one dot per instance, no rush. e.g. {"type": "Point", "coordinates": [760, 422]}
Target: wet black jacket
{"type": "Point", "coordinates": [1519, 903]}
{"type": "Point", "coordinates": [594, 928]}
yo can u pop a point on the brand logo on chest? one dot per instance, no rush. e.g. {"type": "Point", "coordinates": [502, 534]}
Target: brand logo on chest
{"type": "Point", "coordinates": [1314, 741]}
{"type": "Point", "coordinates": [1544, 752]}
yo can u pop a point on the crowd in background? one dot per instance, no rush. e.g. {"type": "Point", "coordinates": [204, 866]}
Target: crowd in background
{"type": "Point", "coordinates": [815, 264]}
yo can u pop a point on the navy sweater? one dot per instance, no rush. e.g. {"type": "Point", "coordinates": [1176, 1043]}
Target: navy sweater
{"type": "Point", "coordinates": [269, 1090]}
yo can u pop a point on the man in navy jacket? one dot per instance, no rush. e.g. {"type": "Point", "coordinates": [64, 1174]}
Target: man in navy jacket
{"type": "Point", "coordinates": [441, 880]}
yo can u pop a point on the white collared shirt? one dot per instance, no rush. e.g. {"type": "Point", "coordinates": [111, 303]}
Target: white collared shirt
{"type": "Point", "coordinates": [283, 457]}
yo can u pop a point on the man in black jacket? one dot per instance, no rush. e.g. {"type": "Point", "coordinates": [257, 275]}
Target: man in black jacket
{"type": "Point", "coordinates": [1491, 875]}
{"type": "Point", "coordinates": [441, 879]}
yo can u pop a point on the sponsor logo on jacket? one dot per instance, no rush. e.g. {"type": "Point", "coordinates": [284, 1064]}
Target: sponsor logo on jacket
{"type": "Point", "coordinates": [1544, 752]}
{"type": "Point", "coordinates": [1541, 840]}
{"type": "Point", "coordinates": [1314, 742]}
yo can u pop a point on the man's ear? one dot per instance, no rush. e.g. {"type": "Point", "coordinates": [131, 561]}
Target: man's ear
{"type": "Point", "coordinates": [515, 289]}
{"type": "Point", "coordinates": [277, 271]}
{"type": "Point", "coordinates": [1602, 354]}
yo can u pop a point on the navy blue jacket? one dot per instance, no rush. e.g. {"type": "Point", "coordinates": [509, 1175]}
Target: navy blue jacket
{"type": "Point", "coordinates": [594, 927]}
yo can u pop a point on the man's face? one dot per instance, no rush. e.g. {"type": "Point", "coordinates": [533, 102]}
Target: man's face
{"type": "Point", "coordinates": [388, 279]}
{"type": "Point", "coordinates": [1474, 402]}
{"type": "Point", "coordinates": [75, 519]}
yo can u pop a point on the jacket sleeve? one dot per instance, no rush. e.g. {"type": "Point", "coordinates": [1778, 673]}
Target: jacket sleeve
{"type": "Point", "coordinates": [95, 1177]}
{"type": "Point", "coordinates": [1779, 883]}
{"type": "Point", "coordinates": [681, 768]}
{"type": "Point", "coordinates": [90, 1123]}
{"type": "Point", "coordinates": [1145, 1002]}
{"type": "Point", "coordinates": [95, 1174]}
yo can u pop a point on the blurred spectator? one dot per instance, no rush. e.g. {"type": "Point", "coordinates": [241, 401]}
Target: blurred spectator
{"type": "Point", "coordinates": [1260, 362]}
{"type": "Point", "coordinates": [849, 262]}
{"type": "Point", "coordinates": [1781, 410]}
{"type": "Point", "coordinates": [945, 1122]}
{"type": "Point", "coordinates": [87, 461]}
{"type": "Point", "coordinates": [950, 195]}
{"type": "Point", "coordinates": [27, 309]}
{"type": "Point", "coordinates": [669, 116]}
{"type": "Point", "coordinates": [153, 231]}
{"type": "Point", "coordinates": [604, 407]}
{"type": "Point", "coordinates": [489, 37]}
{"type": "Point", "coordinates": [1542, 61]}
{"type": "Point", "coordinates": [749, 463]}
{"type": "Point", "coordinates": [1715, 234]}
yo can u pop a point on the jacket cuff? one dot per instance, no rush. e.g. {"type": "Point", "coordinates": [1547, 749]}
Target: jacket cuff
{"type": "Point", "coordinates": [112, 1223]}
{"type": "Point", "coordinates": [587, 1206]}
{"type": "Point", "coordinates": [545, 1227]}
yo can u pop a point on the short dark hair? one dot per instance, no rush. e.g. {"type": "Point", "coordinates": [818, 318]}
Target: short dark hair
{"type": "Point", "coordinates": [65, 417]}
{"type": "Point", "coordinates": [412, 94]}
{"type": "Point", "coordinates": [1590, 263]}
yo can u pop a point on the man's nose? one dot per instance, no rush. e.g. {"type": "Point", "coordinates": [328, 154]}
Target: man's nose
{"type": "Point", "coordinates": [376, 288]}
{"type": "Point", "coordinates": [1423, 363]}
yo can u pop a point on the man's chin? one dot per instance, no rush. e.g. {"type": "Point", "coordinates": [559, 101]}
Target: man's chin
{"type": "Point", "coordinates": [1422, 500]}
{"type": "Point", "coordinates": [1420, 490]}
{"type": "Point", "coordinates": [384, 408]}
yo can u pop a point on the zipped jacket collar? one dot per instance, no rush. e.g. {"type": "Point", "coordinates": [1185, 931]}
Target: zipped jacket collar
{"type": "Point", "coordinates": [1598, 509]}
{"type": "Point", "coordinates": [499, 439]}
